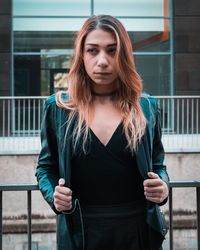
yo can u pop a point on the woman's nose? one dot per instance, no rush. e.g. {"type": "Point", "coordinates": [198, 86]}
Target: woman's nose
{"type": "Point", "coordinates": [102, 60]}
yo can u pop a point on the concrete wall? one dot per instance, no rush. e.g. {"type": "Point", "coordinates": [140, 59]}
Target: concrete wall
{"type": "Point", "coordinates": [21, 169]}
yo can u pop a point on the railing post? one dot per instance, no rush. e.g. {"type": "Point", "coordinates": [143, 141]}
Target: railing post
{"type": "Point", "coordinates": [29, 218]}
{"type": "Point", "coordinates": [1, 220]}
{"type": "Point", "coordinates": [171, 218]}
{"type": "Point", "coordinates": [198, 217]}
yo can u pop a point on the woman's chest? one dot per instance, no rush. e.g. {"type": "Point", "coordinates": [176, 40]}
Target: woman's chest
{"type": "Point", "coordinates": [104, 123]}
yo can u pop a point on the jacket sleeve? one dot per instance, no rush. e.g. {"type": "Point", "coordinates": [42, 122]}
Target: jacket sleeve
{"type": "Point", "coordinates": [158, 153]}
{"type": "Point", "coordinates": [47, 171]}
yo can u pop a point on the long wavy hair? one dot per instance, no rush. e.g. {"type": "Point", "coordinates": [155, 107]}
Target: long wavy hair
{"type": "Point", "coordinates": [129, 84]}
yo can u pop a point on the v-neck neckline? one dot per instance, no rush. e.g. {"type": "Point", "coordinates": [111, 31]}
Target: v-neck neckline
{"type": "Point", "coordinates": [111, 138]}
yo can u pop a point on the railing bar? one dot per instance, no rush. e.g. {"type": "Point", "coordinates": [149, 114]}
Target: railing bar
{"type": "Point", "coordinates": [25, 187]}
{"type": "Point", "coordinates": [183, 103]}
{"type": "Point", "coordinates": [171, 218]}
{"type": "Point", "coordinates": [34, 115]}
{"type": "Point", "coordinates": [39, 103]}
{"type": "Point", "coordinates": [29, 218]}
{"type": "Point", "coordinates": [177, 96]}
{"type": "Point", "coordinates": [192, 118]}
{"type": "Point", "coordinates": [28, 97]}
{"type": "Point", "coordinates": [9, 118]}
{"type": "Point", "coordinates": [185, 184]}
{"type": "Point", "coordinates": [187, 117]}
{"type": "Point", "coordinates": [198, 217]}
{"type": "Point", "coordinates": [178, 116]}
{"type": "Point", "coordinates": [163, 101]}
{"type": "Point", "coordinates": [16, 187]}
{"type": "Point", "coordinates": [12, 113]}
{"type": "Point", "coordinates": [18, 117]}
{"type": "Point", "coordinates": [168, 115]}
{"type": "Point", "coordinates": [197, 116]}
{"type": "Point", "coordinates": [29, 118]}
{"type": "Point", "coordinates": [4, 111]}
{"type": "Point", "coordinates": [24, 118]}
{"type": "Point", "coordinates": [1, 220]}
{"type": "Point", "coordinates": [44, 97]}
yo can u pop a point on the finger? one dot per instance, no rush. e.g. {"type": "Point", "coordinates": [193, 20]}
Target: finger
{"type": "Point", "coordinates": [63, 190]}
{"type": "Point", "coordinates": [62, 197]}
{"type": "Point", "coordinates": [63, 203]}
{"type": "Point", "coordinates": [153, 195]}
{"type": "Point", "coordinates": [153, 182]}
{"type": "Point", "coordinates": [61, 208]}
{"type": "Point", "coordinates": [153, 175]}
{"type": "Point", "coordinates": [153, 190]}
{"type": "Point", "coordinates": [61, 182]}
{"type": "Point", "coordinates": [150, 195]}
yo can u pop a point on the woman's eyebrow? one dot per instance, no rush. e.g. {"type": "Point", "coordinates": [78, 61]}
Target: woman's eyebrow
{"type": "Point", "coordinates": [112, 44]}
{"type": "Point", "coordinates": [97, 45]}
{"type": "Point", "coordinates": [91, 44]}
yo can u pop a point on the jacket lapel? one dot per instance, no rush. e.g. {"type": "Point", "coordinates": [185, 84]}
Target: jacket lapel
{"type": "Point", "coordinates": [143, 157]}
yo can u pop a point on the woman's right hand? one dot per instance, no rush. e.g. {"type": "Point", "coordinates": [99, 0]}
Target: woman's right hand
{"type": "Point", "coordinates": [62, 197]}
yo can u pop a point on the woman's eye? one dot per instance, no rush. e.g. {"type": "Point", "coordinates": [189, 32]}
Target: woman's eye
{"type": "Point", "coordinates": [92, 51]}
{"type": "Point", "coordinates": [112, 51]}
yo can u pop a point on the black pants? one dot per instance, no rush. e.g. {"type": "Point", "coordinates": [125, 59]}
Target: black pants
{"type": "Point", "coordinates": [116, 228]}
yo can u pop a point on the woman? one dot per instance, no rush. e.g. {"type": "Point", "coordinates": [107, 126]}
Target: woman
{"type": "Point", "coordinates": [101, 164]}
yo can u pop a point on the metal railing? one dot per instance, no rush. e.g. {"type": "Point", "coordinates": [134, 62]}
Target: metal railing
{"type": "Point", "coordinates": [20, 119]}
{"type": "Point", "coordinates": [28, 188]}
{"type": "Point", "coordinates": [180, 114]}
{"type": "Point", "coordinates": [184, 184]}
{"type": "Point", "coordinates": [180, 123]}
{"type": "Point", "coordinates": [173, 185]}
{"type": "Point", "coordinates": [20, 116]}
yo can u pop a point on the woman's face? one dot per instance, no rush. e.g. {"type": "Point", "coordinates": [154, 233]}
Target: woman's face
{"type": "Point", "coordinates": [99, 59]}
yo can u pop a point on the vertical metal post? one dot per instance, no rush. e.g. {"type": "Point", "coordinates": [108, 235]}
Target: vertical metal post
{"type": "Point", "coordinates": [29, 218]}
{"type": "Point", "coordinates": [1, 221]}
{"type": "Point", "coordinates": [198, 217]}
{"type": "Point", "coordinates": [171, 219]}
{"type": "Point", "coordinates": [171, 27]}
{"type": "Point", "coordinates": [92, 7]}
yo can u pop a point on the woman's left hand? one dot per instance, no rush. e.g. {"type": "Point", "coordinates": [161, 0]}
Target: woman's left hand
{"type": "Point", "coordinates": [155, 189]}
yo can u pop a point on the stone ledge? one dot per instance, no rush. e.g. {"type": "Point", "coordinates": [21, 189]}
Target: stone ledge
{"type": "Point", "coordinates": [184, 222]}
{"type": "Point", "coordinates": [40, 223]}
{"type": "Point", "coordinates": [183, 219]}
{"type": "Point", "coordinates": [19, 223]}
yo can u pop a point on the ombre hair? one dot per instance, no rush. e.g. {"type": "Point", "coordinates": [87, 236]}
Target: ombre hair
{"type": "Point", "coordinates": [129, 86]}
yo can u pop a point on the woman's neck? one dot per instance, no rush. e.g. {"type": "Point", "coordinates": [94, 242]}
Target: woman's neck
{"type": "Point", "coordinates": [104, 94]}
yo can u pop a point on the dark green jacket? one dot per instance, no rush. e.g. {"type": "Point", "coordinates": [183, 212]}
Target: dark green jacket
{"type": "Point", "coordinates": [55, 162]}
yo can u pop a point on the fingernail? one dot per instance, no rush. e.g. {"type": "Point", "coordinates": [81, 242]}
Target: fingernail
{"type": "Point", "coordinates": [61, 182]}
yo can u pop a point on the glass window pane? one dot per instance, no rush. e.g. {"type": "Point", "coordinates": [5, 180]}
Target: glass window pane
{"type": "Point", "coordinates": [47, 24]}
{"type": "Point", "coordinates": [130, 7]}
{"type": "Point", "coordinates": [35, 41]}
{"type": "Point", "coordinates": [51, 7]}
{"type": "Point", "coordinates": [143, 24]}
{"type": "Point", "coordinates": [155, 73]}
{"type": "Point", "coordinates": [150, 41]}
{"type": "Point", "coordinates": [37, 75]}
{"type": "Point", "coordinates": [74, 24]}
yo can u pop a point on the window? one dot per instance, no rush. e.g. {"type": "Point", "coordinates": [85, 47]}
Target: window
{"type": "Point", "coordinates": [43, 34]}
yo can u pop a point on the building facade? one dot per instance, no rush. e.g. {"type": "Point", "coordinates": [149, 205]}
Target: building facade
{"type": "Point", "coordinates": [37, 42]}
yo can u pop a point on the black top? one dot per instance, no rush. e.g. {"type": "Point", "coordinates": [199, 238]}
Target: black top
{"type": "Point", "coordinates": [106, 174]}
